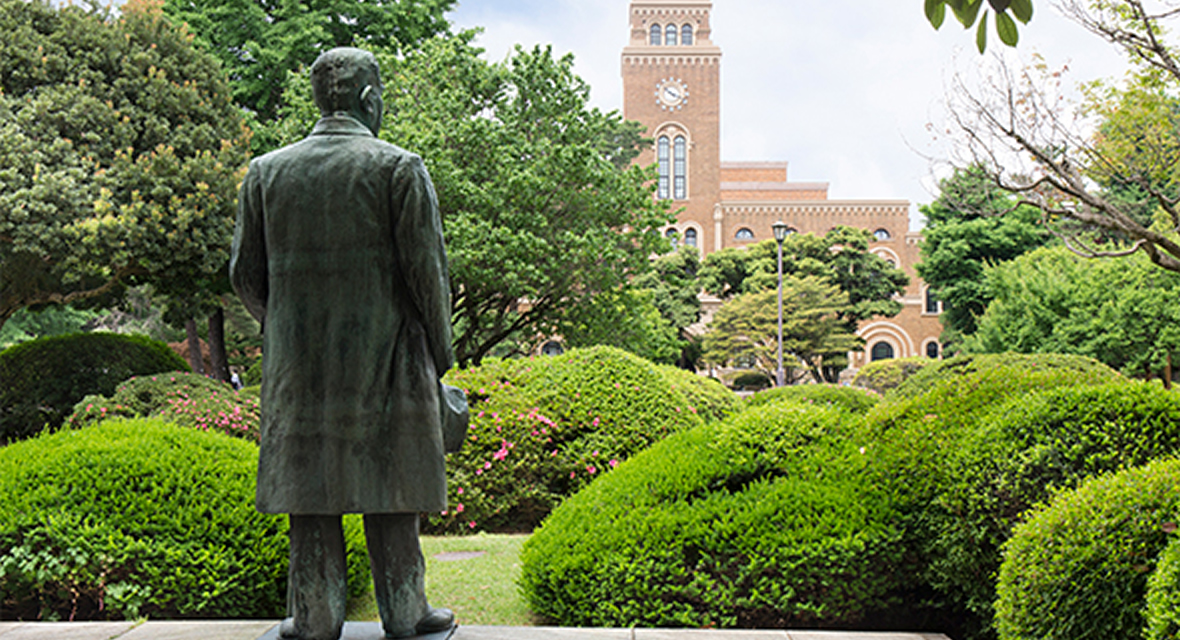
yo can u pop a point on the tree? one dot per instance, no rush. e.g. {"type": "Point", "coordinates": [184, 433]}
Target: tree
{"type": "Point", "coordinates": [841, 257]}
{"type": "Point", "coordinates": [815, 335]}
{"type": "Point", "coordinates": [120, 154]}
{"type": "Point", "coordinates": [971, 225]}
{"type": "Point", "coordinates": [259, 43]}
{"type": "Point", "coordinates": [968, 11]}
{"type": "Point", "coordinates": [541, 208]}
{"type": "Point", "coordinates": [1125, 313]}
{"type": "Point", "coordinates": [1018, 128]}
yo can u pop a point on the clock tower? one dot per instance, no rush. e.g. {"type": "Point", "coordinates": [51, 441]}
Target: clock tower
{"type": "Point", "coordinates": [671, 84]}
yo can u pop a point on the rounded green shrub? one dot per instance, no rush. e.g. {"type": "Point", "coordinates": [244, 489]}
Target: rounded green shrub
{"type": "Point", "coordinates": [132, 518]}
{"type": "Point", "coordinates": [760, 520]}
{"type": "Point", "coordinates": [252, 376]}
{"type": "Point", "coordinates": [1077, 569]}
{"type": "Point", "coordinates": [41, 380]}
{"type": "Point", "coordinates": [1163, 596]}
{"type": "Point", "coordinates": [750, 381]}
{"type": "Point", "coordinates": [1056, 366]}
{"type": "Point", "coordinates": [186, 399]}
{"type": "Point", "coordinates": [543, 427]}
{"type": "Point", "coordinates": [1036, 445]}
{"type": "Point", "coordinates": [709, 398]}
{"type": "Point", "coordinates": [884, 375]}
{"type": "Point", "coordinates": [850, 398]}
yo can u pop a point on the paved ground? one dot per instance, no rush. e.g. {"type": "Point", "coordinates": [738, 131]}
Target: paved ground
{"type": "Point", "coordinates": [268, 630]}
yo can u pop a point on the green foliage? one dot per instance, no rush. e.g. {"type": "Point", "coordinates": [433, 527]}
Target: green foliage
{"type": "Point", "coordinates": [1125, 313]}
{"type": "Point", "coordinates": [1027, 370]}
{"type": "Point", "coordinates": [1163, 596]}
{"type": "Point", "coordinates": [41, 380]}
{"type": "Point", "coordinates": [1078, 567]}
{"type": "Point", "coordinates": [542, 428]}
{"type": "Point", "coordinates": [140, 518]}
{"type": "Point", "coordinates": [848, 398]}
{"type": "Point", "coordinates": [1031, 448]}
{"type": "Point", "coordinates": [119, 154]}
{"type": "Point", "coordinates": [711, 400]}
{"type": "Point", "coordinates": [538, 196]}
{"type": "Point", "coordinates": [253, 375]}
{"type": "Point", "coordinates": [884, 375]}
{"type": "Point", "coordinates": [185, 399]}
{"type": "Point", "coordinates": [27, 325]}
{"type": "Point", "coordinates": [756, 521]}
{"type": "Point", "coordinates": [750, 381]}
{"type": "Point", "coordinates": [815, 335]}
{"type": "Point", "coordinates": [625, 318]}
{"type": "Point", "coordinates": [972, 224]}
{"type": "Point", "coordinates": [1006, 13]}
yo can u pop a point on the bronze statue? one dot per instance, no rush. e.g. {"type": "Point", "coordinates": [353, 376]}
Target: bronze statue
{"type": "Point", "coordinates": [338, 251]}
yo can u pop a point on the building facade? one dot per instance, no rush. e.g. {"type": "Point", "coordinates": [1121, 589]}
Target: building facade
{"type": "Point", "coordinates": [672, 84]}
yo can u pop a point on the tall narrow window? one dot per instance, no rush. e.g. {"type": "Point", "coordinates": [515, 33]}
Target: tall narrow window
{"type": "Point", "coordinates": [670, 35]}
{"type": "Point", "coordinates": [881, 351]}
{"type": "Point", "coordinates": [680, 169]}
{"type": "Point", "coordinates": [686, 35]}
{"type": "Point", "coordinates": [655, 34]}
{"type": "Point", "coordinates": [672, 237]}
{"type": "Point", "coordinates": [932, 305]}
{"type": "Point", "coordinates": [690, 237]}
{"type": "Point", "coordinates": [665, 167]}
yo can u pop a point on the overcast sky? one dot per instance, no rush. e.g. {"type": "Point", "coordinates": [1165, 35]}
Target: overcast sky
{"type": "Point", "coordinates": [842, 90]}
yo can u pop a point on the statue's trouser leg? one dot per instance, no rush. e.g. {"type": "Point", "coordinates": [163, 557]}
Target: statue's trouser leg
{"type": "Point", "coordinates": [317, 591]}
{"type": "Point", "coordinates": [399, 572]}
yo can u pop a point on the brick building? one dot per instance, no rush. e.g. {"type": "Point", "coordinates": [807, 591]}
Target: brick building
{"type": "Point", "coordinates": [671, 83]}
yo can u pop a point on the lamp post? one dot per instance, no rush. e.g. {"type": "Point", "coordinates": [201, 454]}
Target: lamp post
{"type": "Point", "coordinates": [780, 234]}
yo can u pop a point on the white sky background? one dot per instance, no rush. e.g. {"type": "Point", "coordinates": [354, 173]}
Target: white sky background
{"type": "Point", "coordinates": [842, 90]}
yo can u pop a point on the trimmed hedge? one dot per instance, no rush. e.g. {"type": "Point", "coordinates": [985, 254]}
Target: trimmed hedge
{"type": "Point", "coordinates": [884, 375]}
{"type": "Point", "coordinates": [1163, 596]}
{"type": "Point", "coordinates": [1036, 445]}
{"type": "Point", "coordinates": [1077, 569]}
{"type": "Point", "coordinates": [1057, 366]}
{"type": "Point", "coordinates": [543, 427]}
{"type": "Point", "coordinates": [756, 521]}
{"type": "Point", "coordinates": [185, 399]}
{"type": "Point", "coordinates": [41, 380]}
{"type": "Point", "coordinates": [711, 399]}
{"type": "Point", "coordinates": [134, 518]}
{"type": "Point", "coordinates": [850, 398]}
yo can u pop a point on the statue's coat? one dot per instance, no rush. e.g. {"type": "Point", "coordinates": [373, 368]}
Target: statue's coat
{"type": "Point", "coordinates": [338, 251]}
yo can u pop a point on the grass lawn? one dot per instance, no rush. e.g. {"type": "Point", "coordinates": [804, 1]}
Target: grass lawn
{"type": "Point", "coordinates": [475, 576]}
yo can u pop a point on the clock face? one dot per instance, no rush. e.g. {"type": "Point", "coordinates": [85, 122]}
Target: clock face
{"type": "Point", "coordinates": [671, 93]}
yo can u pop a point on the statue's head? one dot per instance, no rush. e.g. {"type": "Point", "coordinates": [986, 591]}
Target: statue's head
{"type": "Point", "coordinates": [347, 81]}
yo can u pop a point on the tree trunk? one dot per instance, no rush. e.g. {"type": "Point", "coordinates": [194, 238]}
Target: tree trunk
{"type": "Point", "coordinates": [1168, 373]}
{"type": "Point", "coordinates": [194, 347]}
{"type": "Point", "coordinates": [218, 360]}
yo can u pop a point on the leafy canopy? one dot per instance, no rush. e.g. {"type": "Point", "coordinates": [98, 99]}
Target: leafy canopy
{"type": "Point", "coordinates": [119, 153]}
{"type": "Point", "coordinates": [1005, 12]}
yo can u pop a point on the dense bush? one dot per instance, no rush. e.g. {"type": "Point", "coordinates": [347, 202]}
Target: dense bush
{"type": "Point", "coordinates": [134, 518]}
{"type": "Point", "coordinates": [253, 375]}
{"type": "Point", "coordinates": [1077, 569]}
{"type": "Point", "coordinates": [750, 381]}
{"type": "Point", "coordinates": [542, 428]}
{"type": "Point", "coordinates": [711, 399]}
{"type": "Point", "coordinates": [883, 375]}
{"type": "Point", "coordinates": [1035, 445]}
{"type": "Point", "coordinates": [186, 399]}
{"type": "Point", "coordinates": [756, 521]}
{"type": "Point", "coordinates": [850, 398]}
{"type": "Point", "coordinates": [1058, 367]}
{"type": "Point", "coordinates": [41, 380]}
{"type": "Point", "coordinates": [1163, 596]}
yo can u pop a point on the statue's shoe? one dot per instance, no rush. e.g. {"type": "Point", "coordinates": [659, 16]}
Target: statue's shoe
{"type": "Point", "coordinates": [434, 621]}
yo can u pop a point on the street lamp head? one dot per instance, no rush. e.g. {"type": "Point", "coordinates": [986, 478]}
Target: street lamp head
{"type": "Point", "coordinates": [780, 231]}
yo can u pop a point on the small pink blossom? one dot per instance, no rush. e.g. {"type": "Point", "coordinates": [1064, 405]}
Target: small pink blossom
{"type": "Point", "coordinates": [591, 470]}
{"type": "Point", "coordinates": [614, 463]}
{"type": "Point", "coordinates": [471, 524]}
{"type": "Point", "coordinates": [459, 508]}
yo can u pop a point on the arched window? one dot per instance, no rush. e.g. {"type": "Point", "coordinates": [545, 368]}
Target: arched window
{"type": "Point", "coordinates": [655, 34]}
{"type": "Point", "coordinates": [881, 351]}
{"type": "Point", "coordinates": [680, 168]}
{"type": "Point", "coordinates": [686, 35]}
{"type": "Point", "coordinates": [932, 303]}
{"type": "Point", "coordinates": [744, 234]}
{"type": "Point", "coordinates": [552, 348]}
{"type": "Point", "coordinates": [664, 152]}
{"type": "Point", "coordinates": [670, 35]}
{"type": "Point", "coordinates": [882, 235]}
{"type": "Point", "coordinates": [672, 236]}
{"type": "Point", "coordinates": [690, 237]}
{"type": "Point", "coordinates": [932, 349]}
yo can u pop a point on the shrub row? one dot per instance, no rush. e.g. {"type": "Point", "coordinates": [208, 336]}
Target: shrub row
{"type": "Point", "coordinates": [41, 380]}
{"type": "Point", "coordinates": [132, 518]}
{"type": "Point", "coordinates": [185, 399]}
{"type": "Point", "coordinates": [542, 428]}
{"type": "Point", "coordinates": [853, 399]}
